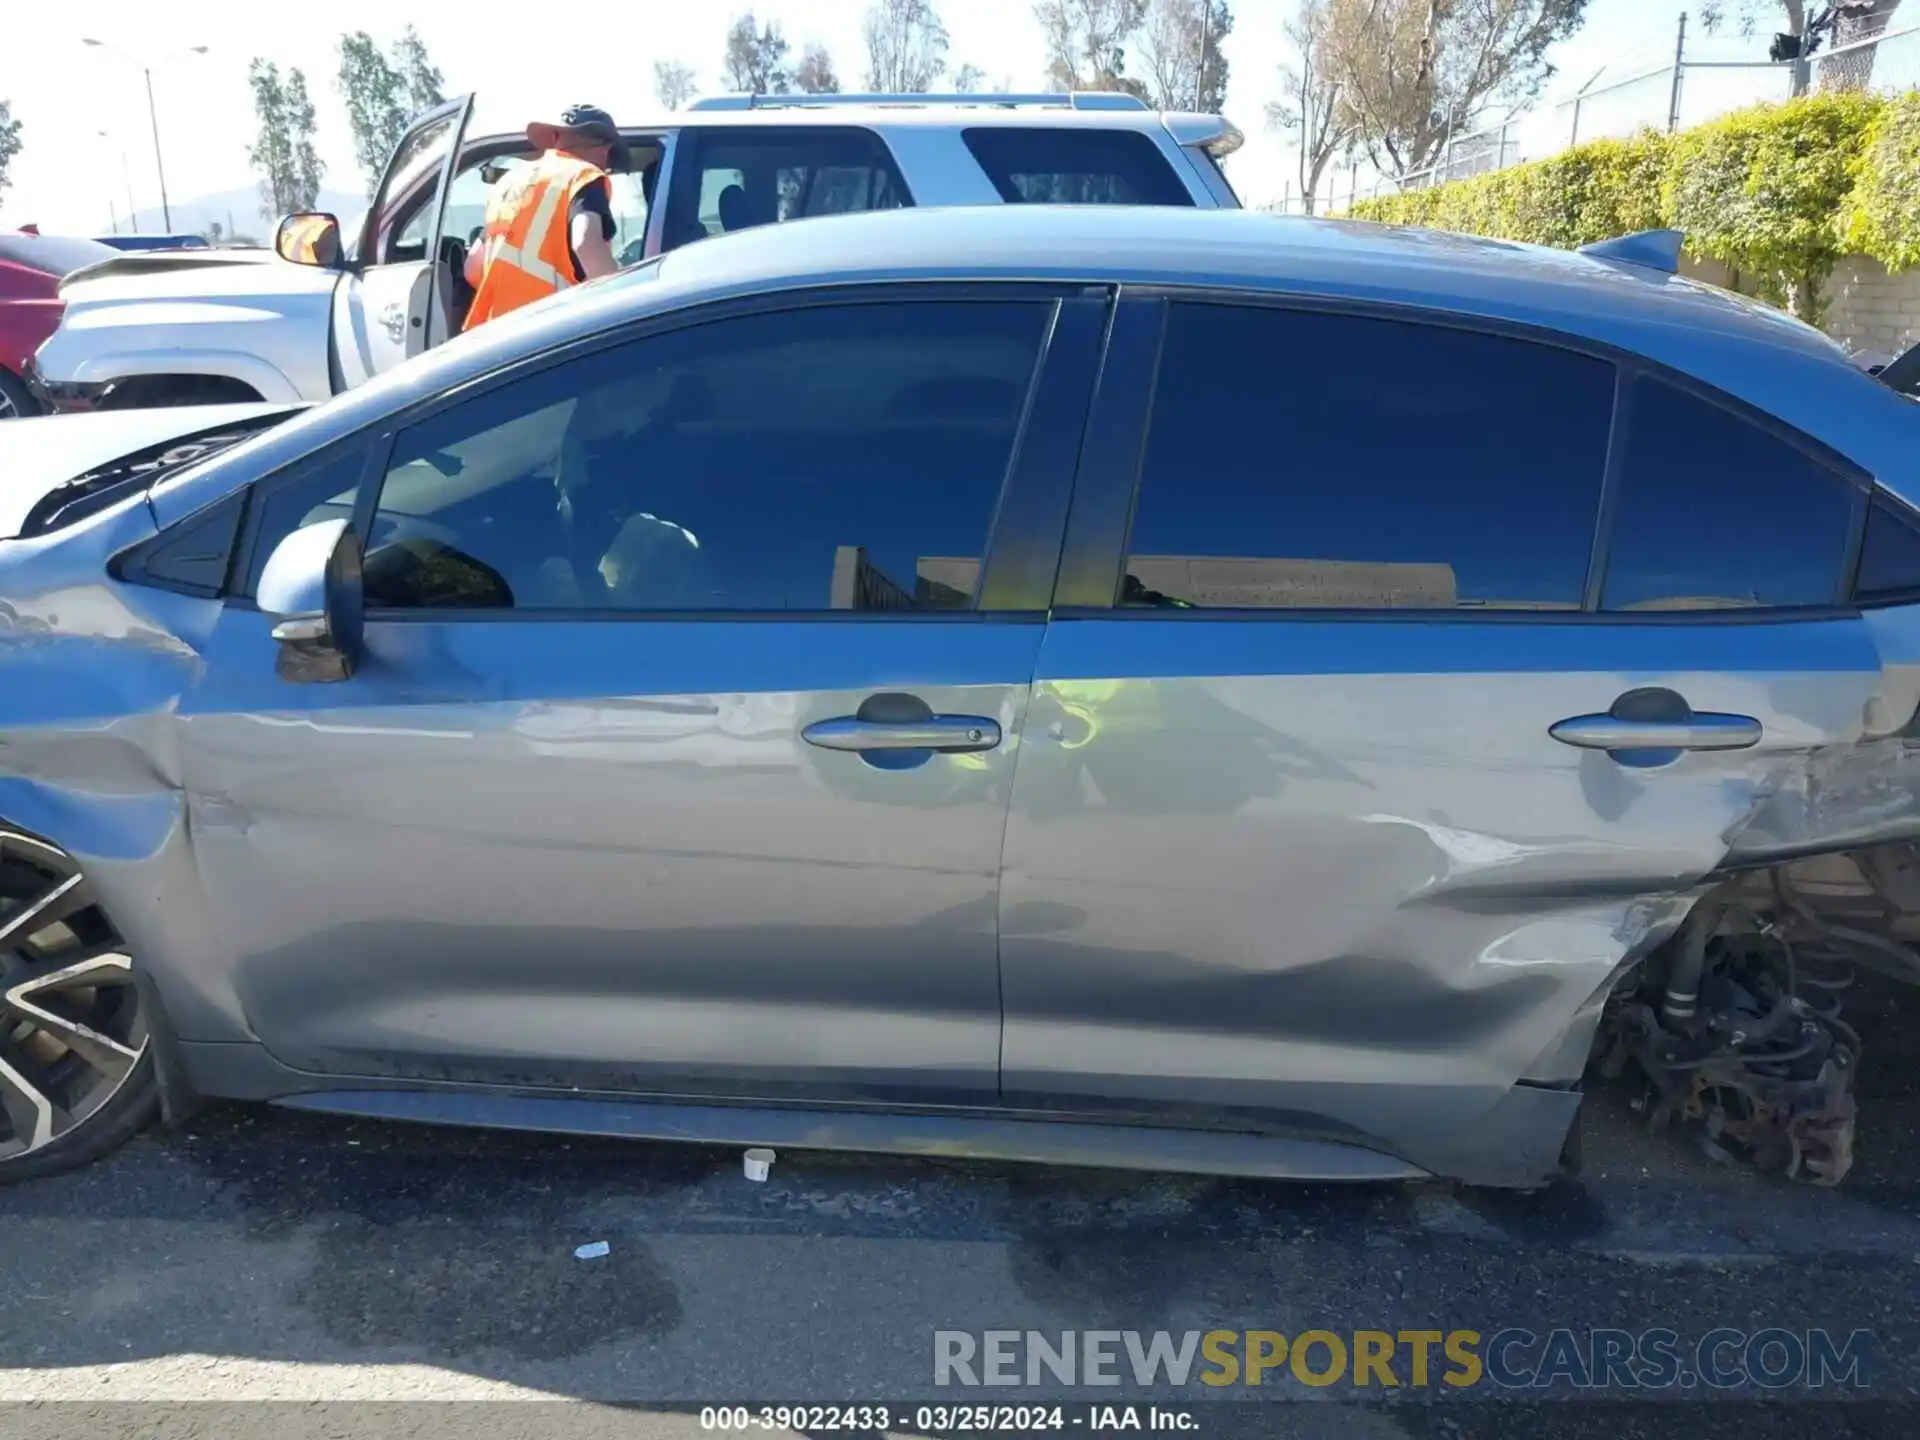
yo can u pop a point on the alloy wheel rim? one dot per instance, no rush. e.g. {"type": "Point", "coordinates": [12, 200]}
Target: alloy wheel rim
{"type": "Point", "coordinates": [72, 1028]}
{"type": "Point", "coordinates": [7, 412]}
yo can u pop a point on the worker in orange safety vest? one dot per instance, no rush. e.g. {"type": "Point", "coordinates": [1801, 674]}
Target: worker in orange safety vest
{"type": "Point", "coordinates": [549, 224]}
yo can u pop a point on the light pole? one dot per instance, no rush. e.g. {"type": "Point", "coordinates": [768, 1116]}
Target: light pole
{"type": "Point", "coordinates": [153, 118]}
{"type": "Point", "coordinates": [126, 178]}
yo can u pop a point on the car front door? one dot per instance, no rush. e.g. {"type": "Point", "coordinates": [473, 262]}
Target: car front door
{"type": "Point", "coordinates": [1357, 764]}
{"type": "Point", "coordinates": [696, 671]}
{"type": "Point", "coordinates": [392, 302]}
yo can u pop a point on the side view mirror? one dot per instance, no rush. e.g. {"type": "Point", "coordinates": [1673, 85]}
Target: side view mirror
{"type": "Point", "coordinates": [312, 587]}
{"type": "Point", "coordinates": [309, 239]}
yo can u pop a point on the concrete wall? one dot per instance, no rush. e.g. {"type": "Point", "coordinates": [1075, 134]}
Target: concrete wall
{"type": "Point", "coordinates": [1867, 309]}
{"type": "Point", "coordinates": [1870, 310]}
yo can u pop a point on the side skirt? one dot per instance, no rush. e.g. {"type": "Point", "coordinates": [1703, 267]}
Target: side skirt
{"type": "Point", "coordinates": [973, 1137]}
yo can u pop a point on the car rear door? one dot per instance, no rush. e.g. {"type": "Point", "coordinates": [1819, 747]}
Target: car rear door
{"type": "Point", "coordinates": [697, 669]}
{"type": "Point", "coordinates": [392, 303]}
{"type": "Point", "coordinates": [1382, 714]}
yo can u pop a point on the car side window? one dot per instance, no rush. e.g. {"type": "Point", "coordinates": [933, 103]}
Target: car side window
{"type": "Point", "coordinates": [1715, 512]}
{"type": "Point", "coordinates": [834, 457]}
{"type": "Point", "coordinates": [735, 179]}
{"type": "Point", "coordinates": [304, 494]}
{"type": "Point", "coordinates": [1057, 166]}
{"type": "Point", "coordinates": [1305, 460]}
{"type": "Point", "coordinates": [466, 213]}
{"type": "Point", "coordinates": [1890, 554]}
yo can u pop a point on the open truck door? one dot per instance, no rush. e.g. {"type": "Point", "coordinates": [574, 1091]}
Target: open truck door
{"type": "Point", "coordinates": [396, 299]}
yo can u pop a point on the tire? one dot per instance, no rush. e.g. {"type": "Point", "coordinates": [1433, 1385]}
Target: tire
{"type": "Point", "coordinates": [77, 1076]}
{"type": "Point", "coordinates": [129, 1112]}
{"type": "Point", "coordinates": [16, 401]}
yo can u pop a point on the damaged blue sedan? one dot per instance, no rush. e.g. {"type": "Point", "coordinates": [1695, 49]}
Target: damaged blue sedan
{"type": "Point", "coordinates": [1166, 689]}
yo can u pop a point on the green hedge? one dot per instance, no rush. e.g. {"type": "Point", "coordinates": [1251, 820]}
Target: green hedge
{"type": "Point", "coordinates": [1882, 218]}
{"type": "Point", "coordinates": [1777, 192]}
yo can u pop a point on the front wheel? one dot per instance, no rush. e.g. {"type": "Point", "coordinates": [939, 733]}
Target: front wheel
{"type": "Point", "coordinates": [76, 1072]}
{"type": "Point", "coordinates": [16, 401]}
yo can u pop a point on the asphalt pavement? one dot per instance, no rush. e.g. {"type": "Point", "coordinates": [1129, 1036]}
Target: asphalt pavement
{"type": "Point", "coordinates": [263, 1254]}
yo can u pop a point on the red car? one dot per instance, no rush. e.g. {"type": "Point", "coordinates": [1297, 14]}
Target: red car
{"type": "Point", "coordinates": [31, 269]}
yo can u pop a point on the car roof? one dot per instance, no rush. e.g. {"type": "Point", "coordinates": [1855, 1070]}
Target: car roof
{"type": "Point", "coordinates": [489, 127]}
{"type": "Point", "coordinates": [1740, 346]}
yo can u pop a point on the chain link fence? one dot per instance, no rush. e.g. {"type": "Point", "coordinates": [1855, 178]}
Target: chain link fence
{"type": "Point", "coordinates": [1672, 97]}
{"type": "Point", "coordinates": [1884, 62]}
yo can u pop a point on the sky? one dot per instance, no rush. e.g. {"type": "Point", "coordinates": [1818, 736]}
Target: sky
{"type": "Point", "coordinates": [68, 176]}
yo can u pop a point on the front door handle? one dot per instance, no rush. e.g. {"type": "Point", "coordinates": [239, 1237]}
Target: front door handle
{"type": "Point", "coordinates": [1699, 731]}
{"type": "Point", "coordinates": [948, 734]}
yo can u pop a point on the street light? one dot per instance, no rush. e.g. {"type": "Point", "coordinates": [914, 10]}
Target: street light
{"type": "Point", "coordinates": [153, 119]}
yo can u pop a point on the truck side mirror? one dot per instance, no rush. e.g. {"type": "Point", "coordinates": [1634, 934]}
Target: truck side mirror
{"type": "Point", "coordinates": [312, 588]}
{"type": "Point", "coordinates": [311, 238]}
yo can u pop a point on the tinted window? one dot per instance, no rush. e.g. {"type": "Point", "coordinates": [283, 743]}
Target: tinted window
{"type": "Point", "coordinates": [1076, 167]}
{"type": "Point", "coordinates": [835, 458]}
{"type": "Point", "coordinates": [735, 179]}
{"type": "Point", "coordinates": [1715, 512]}
{"type": "Point", "coordinates": [1300, 460]}
{"type": "Point", "coordinates": [297, 498]}
{"type": "Point", "coordinates": [1890, 556]}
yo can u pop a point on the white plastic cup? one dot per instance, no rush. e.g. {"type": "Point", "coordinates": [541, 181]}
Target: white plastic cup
{"type": "Point", "coordinates": [758, 1163]}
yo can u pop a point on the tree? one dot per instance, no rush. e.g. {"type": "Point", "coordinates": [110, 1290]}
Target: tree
{"type": "Point", "coordinates": [308, 167]}
{"type": "Point", "coordinates": [9, 142]}
{"type": "Point", "coordinates": [1180, 56]}
{"type": "Point", "coordinates": [384, 91]}
{"type": "Point", "coordinates": [1310, 106]}
{"type": "Point", "coordinates": [420, 77]}
{"type": "Point", "coordinates": [1413, 73]}
{"type": "Point", "coordinates": [906, 47]}
{"type": "Point", "coordinates": [283, 151]}
{"type": "Point", "coordinates": [376, 111]}
{"type": "Point", "coordinates": [755, 60]}
{"type": "Point", "coordinates": [969, 79]}
{"type": "Point", "coordinates": [673, 83]}
{"type": "Point", "coordinates": [815, 73]}
{"type": "Point", "coordinates": [1086, 42]}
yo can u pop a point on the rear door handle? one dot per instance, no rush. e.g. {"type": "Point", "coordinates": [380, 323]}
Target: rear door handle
{"type": "Point", "coordinates": [1701, 731]}
{"type": "Point", "coordinates": [948, 734]}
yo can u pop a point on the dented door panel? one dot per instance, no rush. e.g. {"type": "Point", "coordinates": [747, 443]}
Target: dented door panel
{"type": "Point", "coordinates": [1338, 874]}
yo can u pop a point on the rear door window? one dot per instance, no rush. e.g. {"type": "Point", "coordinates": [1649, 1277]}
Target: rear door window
{"type": "Point", "coordinates": [1716, 513]}
{"type": "Point", "coordinates": [1301, 461]}
{"type": "Point", "coordinates": [1035, 166]}
{"type": "Point", "coordinates": [735, 179]}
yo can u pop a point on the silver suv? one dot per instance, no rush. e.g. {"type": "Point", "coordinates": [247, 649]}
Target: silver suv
{"type": "Point", "coordinates": [209, 326]}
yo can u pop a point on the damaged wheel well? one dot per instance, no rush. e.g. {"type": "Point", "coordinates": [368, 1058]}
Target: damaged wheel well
{"type": "Point", "coordinates": [1734, 1024]}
